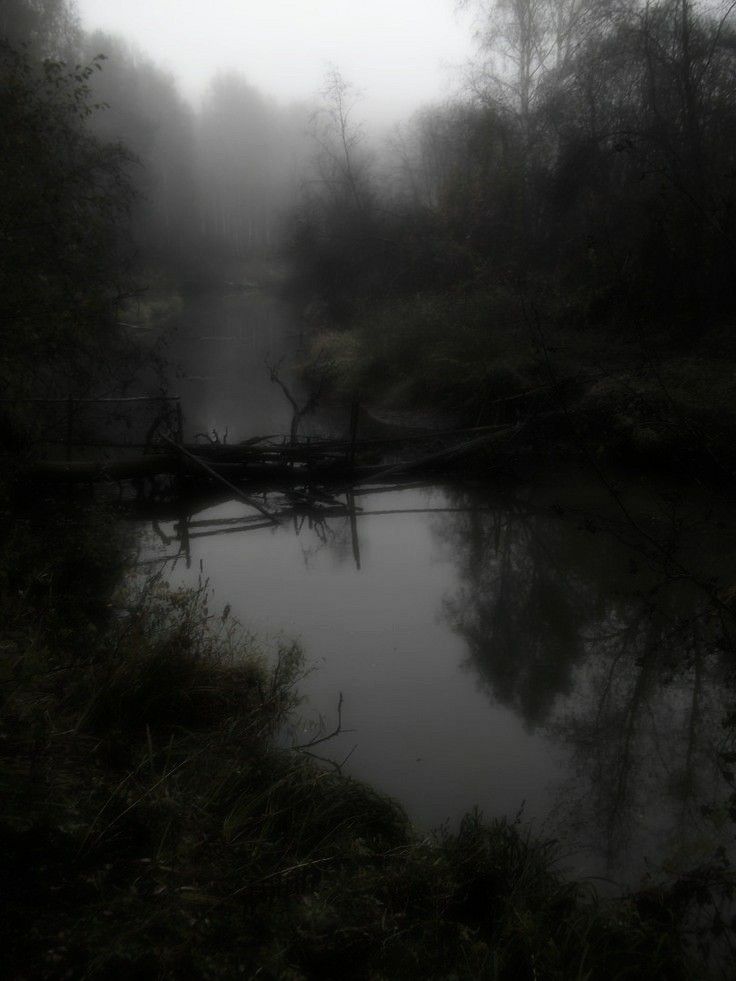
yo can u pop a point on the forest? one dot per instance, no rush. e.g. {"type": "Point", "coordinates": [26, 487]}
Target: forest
{"type": "Point", "coordinates": [546, 256]}
{"type": "Point", "coordinates": [115, 190]}
{"type": "Point", "coordinates": [569, 224]}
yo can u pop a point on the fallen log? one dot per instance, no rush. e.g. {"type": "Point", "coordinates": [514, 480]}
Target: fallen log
{"type": "Point", "coordinates": [226, 483]}
{"type": "Point", "coordinates": [445, 456]}
{"type": "Point", "coordinates": [273, 467]}
{"type": "Point", "coordinates": [96, 471]}
{"type": "Point", "coordinates": [320, 446]}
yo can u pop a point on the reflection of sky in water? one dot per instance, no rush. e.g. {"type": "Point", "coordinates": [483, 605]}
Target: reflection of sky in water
{"type": "Point", "coordinates": [457, 676]}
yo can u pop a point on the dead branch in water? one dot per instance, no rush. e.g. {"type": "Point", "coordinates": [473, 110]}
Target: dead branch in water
{"type": "Point", "coordinates": [338, 730]}
{"type": "Point", "coordinates": [298, 411]}
{"type": "Point", "coordinates": [213, 473]}
{"type": "Point", "coordinates": [214, 439]}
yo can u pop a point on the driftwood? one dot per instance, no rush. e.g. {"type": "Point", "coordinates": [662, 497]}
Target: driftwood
{"type": "Point", "coordinates": [310, 470]}
{"type": "Point", "coordinates": [212, 473]}
{"type": "Point", "coordinates": [96, 471]}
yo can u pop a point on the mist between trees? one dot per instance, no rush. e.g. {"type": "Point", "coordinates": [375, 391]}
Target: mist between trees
{"type": "Point", "coordinates": [577, 198]}
{"type": "Point", "coordinates": [219, 175]}
{"type": "Point", "coordinates": [571, 217]}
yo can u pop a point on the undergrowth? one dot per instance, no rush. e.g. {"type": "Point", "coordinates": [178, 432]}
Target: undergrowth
{"type": "Point", "coordinates": [151, 828]}
{"type": "Point", "coordinates": [482, 356]}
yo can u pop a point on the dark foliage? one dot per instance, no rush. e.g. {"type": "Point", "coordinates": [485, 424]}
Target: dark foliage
{"type": "Point", "coordinates": [63, 199]}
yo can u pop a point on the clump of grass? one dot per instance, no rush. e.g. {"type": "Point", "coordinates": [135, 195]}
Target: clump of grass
{"type": "Point", "coordinates": [172, 666]}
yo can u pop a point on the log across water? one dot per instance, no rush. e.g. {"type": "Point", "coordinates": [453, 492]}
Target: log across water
{"type": "Point", "coordinates": [309, 461]}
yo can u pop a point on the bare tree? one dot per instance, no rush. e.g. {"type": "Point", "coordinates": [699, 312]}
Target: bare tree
{"type": "Point", "coordinates": [299, 411]}
{"type": "Point", "coordinates": [342, 162]}
{"type": "Point", "coordinates": [523, 42]}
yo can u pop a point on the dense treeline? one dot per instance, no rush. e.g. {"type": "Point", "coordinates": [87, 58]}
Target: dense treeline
{"type": "Point", "coordinates": [214, 180]}
{"type": "Point", "coordinates": [586, 184]}
{"type": "Point", "coordinates": [114, 191]}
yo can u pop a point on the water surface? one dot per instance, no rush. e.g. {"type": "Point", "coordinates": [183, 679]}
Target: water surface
{"type": "Point", "coordinates": [502, 650]}
{"type": "Point", "coordinates": [561, 649]}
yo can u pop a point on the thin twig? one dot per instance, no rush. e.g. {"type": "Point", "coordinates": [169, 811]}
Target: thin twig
{"type": "Point", "coordinates": [335, 732]}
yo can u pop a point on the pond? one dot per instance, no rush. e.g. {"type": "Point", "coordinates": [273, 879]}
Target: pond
{"type": "Point", "coordinates": [559, 650]}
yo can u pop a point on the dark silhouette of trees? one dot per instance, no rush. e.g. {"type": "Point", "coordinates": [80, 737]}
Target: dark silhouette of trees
{"type": "Point", "coordinates": [44, 28]}
{"type": "Point", "coordinates": [342, 165]}
{"type": "Point", "coordinates": [578, 202]}
{"type": "Point", "coordinates": [144, 112]}
{"type": "Point", "coordinates": [335, 225]}
{"type": "Point", "coordinates": [247, 164]}
{"type": "Point", "coordinates": [590, 167]}
{"type": "Point", "coordinates": [64, 198]}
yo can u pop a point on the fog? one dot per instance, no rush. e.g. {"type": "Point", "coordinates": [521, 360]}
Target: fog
{"type": "Point", "coordinates": [400, 53]}
{"type": "Point", "coordinates": [404, 330]}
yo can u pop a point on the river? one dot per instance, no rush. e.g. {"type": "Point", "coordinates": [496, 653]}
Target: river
{"type": "Point", "coordinates": [557, 651]}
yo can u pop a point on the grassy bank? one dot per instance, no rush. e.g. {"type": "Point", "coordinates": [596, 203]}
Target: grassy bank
{"type": "Point", "coordinates": [152, 828]}
{"type": "Point", "coordinates": [484, 356]}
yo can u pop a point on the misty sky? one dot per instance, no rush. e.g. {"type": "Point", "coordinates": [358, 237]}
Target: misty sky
{"type": "Point", "coordinates": [400, 53]}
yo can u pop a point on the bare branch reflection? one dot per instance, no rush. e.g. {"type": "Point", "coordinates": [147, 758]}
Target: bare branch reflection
{"type": "Point", "coordinates": [577, 630]}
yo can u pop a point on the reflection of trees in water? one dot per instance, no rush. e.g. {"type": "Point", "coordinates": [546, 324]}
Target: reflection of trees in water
{"type": "Point", "coordinates": [517, 610]}
{"type": "Point", "coordinates": [318, 534]}
{"type": "Point", "coordinates": [644, 727]}
{"type": "Point", "coordinates": [620, 661]}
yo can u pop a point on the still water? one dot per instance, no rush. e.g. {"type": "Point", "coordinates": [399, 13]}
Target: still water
{"type": "Point", "coordinates": [560, 650]}
{"type": "Point", "coordinates": [220, 352]}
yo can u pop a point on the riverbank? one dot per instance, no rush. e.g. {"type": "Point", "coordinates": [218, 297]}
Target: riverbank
{"type": "Point", "coordinates": [628, 398]}
{"type": "Point", "coordinates": [152, 826]}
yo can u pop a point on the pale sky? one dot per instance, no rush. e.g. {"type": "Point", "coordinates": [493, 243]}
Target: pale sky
{"type": "Point", "coordinates": [399, 53]}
